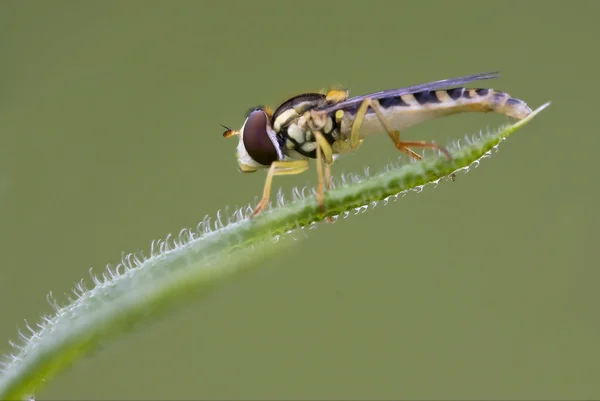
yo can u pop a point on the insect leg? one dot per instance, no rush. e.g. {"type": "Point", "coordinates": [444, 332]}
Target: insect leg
{"type": "Point", "coordinates": [328, 186]}
{"type": "Point", "coordinates": [393, 134]}
{"type": "Point", "coordinates": [396, 139]}
{"type": "Point", "coordinates": [320, 187]}
{"type": "Point", "coordinates": [278, 168]}
{"type": "Point", "coordinates": [358, 120]}
{"type": "Point", "coordinates": [327, 176]}
{"type": "Point", "coordinates": [324, 157]}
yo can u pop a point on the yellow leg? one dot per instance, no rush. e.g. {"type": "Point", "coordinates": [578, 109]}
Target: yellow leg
{"type": "Point", "coordinates": [278, 168]}
{"type": "Point", "coordinates": [396, 139]}
{"type": "Point", "coordinates": [393, 134]}
{"type": "Point", "coordinates": [321, 183]}
{"type": "Point", "coordinates": [327, 176]}
{"type": "Point", "coordinates": [328, 186]}
{"type": "Point", "coordinates": [358, 120]}
{"type": "Point", "coordinates": [324, 161]}
{"type": "Point", "coordinates": [324, 146]}
{"type": "Point", "coordinates": [324, 158]}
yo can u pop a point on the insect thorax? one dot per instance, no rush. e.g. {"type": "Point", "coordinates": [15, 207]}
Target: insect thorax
{"type": "Point", "coordinates": [298, 133]}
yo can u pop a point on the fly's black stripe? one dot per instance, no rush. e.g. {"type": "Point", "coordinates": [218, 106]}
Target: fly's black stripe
{"type": "Point", "coordinates": [426, 97]}
{"type": "Point", "coordinates": [499, 96]}
{"type": "Point", "coordinates": [395, 101]}
{"type": "Point", "coordinates": [514, 102]}
{"type": "Point", "coordinates": [455, 93]}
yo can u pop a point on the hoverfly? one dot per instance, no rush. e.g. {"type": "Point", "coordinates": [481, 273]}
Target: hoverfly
{"type": "Point", "coordinates": [323, 126]}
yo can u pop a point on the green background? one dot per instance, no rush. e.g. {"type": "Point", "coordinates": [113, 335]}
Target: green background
{"type": "Point", "coordinates": [481, 288]}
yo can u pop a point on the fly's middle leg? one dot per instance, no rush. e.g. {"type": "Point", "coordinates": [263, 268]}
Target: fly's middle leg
{"type": "Point", "coordinates": [324, 162]}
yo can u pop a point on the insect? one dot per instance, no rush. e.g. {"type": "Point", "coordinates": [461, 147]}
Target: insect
{"type": "Point", "coordinates": [323, 126]}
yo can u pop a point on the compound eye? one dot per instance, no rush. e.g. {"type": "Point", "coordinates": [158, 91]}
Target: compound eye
{"type": "Point", "coordinates": [256, 140]}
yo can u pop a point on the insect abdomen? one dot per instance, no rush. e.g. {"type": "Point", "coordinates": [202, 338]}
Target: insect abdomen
{"type": "Point", "coordinates": [457, 100]}
{"type": "Point", "coordinates": [486, 100]}
{"type": "Point", "coordinates": [408, 110]}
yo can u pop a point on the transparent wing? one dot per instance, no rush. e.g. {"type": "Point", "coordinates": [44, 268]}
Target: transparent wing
{"type": "Point", "coordinates": [445, 83]}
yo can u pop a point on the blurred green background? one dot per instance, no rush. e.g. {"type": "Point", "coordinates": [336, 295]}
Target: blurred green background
{"type": "Point", "coordinates": [482, 288]}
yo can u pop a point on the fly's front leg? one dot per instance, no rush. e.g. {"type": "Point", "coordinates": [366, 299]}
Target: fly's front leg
{"type": "Point", "coordinates": [278, 168]}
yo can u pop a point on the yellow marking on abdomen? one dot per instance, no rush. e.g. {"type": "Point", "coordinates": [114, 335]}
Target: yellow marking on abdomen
{"type": "Point", "coordinates": [409, 100]}
{"type": "Point", "coordinates": [443, 96]}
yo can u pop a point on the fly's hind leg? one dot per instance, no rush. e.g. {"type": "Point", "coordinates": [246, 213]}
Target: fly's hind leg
{"type": "Point", "coordinates": [394, 135]}
{"type": "Point", "coordinates": [396, 138]}
{"type": "Point", "coordinates": [403, 146]}
{"type": "Point", "coordinates": [278, 168]}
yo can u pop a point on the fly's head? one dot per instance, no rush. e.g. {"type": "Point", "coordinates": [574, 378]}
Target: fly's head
{"type": "Point", "coordinates": [258, 146]}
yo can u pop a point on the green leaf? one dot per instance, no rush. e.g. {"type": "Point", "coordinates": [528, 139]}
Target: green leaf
{"type": "Point", "coordinates": [140, 287]}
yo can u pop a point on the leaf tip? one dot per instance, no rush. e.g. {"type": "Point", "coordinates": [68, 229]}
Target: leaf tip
{"type": "Point", "coordinates": [542, 107]}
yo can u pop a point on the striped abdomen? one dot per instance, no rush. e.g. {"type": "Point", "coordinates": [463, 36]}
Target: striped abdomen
{"type": "Point", "coordinates": [408, 110]}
